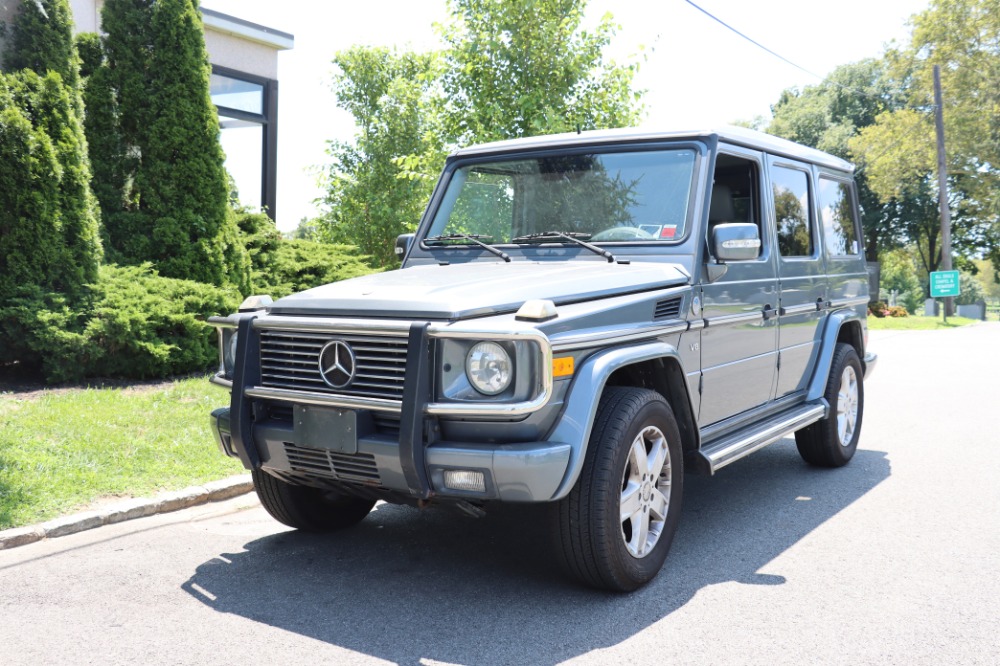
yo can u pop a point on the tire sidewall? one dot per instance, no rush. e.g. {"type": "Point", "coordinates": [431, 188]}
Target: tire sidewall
{"type": "Point", "coordinates": [637, 571]}
{"type": "Point", "coordinates": [846, 356]}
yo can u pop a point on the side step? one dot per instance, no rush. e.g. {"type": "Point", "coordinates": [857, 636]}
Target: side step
{"type": "Point", "coordinates": [742, 443]}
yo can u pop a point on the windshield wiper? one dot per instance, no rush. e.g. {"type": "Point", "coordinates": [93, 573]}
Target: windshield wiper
{"type": "Point", "coordinates": [572, 236]}
{"type": "Point", "coordinates": [472, 239]}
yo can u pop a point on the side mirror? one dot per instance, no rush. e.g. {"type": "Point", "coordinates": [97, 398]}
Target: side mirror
{"type": "Point", "coordinates": [403, 243]}
{"type": "Point", "coordinates": [736, 241]}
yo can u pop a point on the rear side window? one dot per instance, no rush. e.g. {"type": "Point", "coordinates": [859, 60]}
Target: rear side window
{"type": "Point", "coordinates": [791, 208]}
{"type": "Point", "coordinates": [840, 224]}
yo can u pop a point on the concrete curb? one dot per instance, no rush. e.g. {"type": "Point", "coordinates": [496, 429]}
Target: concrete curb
{"type": "Point", "coordinates": [129, 509]}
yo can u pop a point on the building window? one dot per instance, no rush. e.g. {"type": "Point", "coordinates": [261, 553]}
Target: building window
{"type": "Point", "coordinates": [247, 107]}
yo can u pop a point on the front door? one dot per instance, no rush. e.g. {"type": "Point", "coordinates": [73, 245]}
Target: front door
{"type": "Point", "coordinates": [739, 341]}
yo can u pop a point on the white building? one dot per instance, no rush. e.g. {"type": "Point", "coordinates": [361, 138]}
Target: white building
{"type": "Point", "coordinates": [244, 86]}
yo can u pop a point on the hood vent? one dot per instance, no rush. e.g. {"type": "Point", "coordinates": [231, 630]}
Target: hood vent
{"type": "Point", "coordinates": [668, 309]}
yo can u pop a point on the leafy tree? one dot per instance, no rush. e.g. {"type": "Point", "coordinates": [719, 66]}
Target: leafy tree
{"type": "Point", "coordinates": [962, 37]}
{"type": "Point", "coordinates": [826, 116]}
{"type": "Point", "coordinates": [369, 199]}
{"type": "Point", "coordinates": [525, 67]}
{"type": "Point", "coordinates": [163, 184]}
{"type": "Point", "coordinates": [899, 275]}
{"type": "Point", "coordinates": [510, 68]}
{"type": "Point", "coordinates": [988, 278]}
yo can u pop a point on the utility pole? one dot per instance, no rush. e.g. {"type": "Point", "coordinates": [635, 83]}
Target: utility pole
{"type": "Point", "coordinates": [949, 302]}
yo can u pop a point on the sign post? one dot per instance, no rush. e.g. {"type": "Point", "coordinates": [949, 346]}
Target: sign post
{"type": "Point", "coordinates": [944, 284]}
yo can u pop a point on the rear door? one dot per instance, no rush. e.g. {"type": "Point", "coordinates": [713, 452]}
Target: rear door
{"type": "Point", "coordinates": [839, 222]}
{"type": "Point", "coordinates": [801, 272]}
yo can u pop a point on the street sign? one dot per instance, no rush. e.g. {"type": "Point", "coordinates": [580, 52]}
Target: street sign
{"type": "Point", "coordinates": [944, 284]}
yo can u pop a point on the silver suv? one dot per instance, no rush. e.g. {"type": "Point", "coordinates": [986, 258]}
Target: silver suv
{"type": "Point", "coordinates": [578, 320]}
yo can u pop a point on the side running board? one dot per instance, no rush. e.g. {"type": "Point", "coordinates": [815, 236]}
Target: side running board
{"type": "Point", "coordinates": [731, 448]}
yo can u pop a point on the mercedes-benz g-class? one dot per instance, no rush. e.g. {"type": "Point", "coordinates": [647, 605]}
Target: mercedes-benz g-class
{"type": "Point", "coordinates": [578, 320]}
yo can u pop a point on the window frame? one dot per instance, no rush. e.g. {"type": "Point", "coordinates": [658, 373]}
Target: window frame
{"type": "Point", "coordinates": [268, 121]}
{"type": "Point", "coordinates": [855, 210]}
{"type": "Point", "coordinates": [810, 206]}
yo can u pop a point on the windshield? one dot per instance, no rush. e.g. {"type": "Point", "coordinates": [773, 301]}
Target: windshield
{"type": "Point", "coordinates": [605, 197]}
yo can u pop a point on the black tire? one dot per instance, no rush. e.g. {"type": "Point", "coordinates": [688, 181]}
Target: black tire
{"type": "Point", "coordinates": [821, 443]}
{"type": "Point", "coordinates": [594, 544]}
{"type": "Point", "coordinates": [306, 508]}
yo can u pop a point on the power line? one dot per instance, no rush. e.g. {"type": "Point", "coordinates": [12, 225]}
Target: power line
{"type": "Point", "coordinates": [752, 41]}
{"type": "Point", "coordinates": [856, 91]}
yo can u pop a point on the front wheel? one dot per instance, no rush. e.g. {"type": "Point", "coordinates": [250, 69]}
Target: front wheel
{"type": "Point", "coordinates": [307, 508]}
{"type": "Point", "coordinates": [615, 527]}
{"type": "Point", "coordinates": [832, 441]}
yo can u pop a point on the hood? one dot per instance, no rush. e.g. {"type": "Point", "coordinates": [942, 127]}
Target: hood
{"type": "Point", "coordinates": [459, 291]}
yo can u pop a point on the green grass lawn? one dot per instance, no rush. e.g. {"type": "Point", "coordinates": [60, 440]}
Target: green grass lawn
{"type": "Point", "coordinates": [62, 450]}
{"type": "Point", "coordinates": [915, 323]}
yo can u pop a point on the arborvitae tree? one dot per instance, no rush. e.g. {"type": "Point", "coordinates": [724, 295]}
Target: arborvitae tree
{"type": "Point", "coordinates": [30, 238]}
{"type": "Point", "coordinates": [43, 43]}
{"type": "Point", "coordinates": [43, 40]}
{"type": "Point", "coordinates": [103, 136]}
{"type": "Point", "coordinates": [173, 207]}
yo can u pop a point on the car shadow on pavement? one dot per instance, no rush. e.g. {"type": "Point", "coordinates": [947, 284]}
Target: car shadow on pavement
{"type": "Point", "coordinates": [407, 585]}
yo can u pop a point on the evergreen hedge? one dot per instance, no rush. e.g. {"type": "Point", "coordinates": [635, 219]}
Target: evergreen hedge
{"type": "Point", "coordinates": [133, 323]}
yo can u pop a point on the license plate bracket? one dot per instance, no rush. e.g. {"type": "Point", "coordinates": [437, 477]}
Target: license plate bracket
{"type": "Point", "coordinates": [330, 428]}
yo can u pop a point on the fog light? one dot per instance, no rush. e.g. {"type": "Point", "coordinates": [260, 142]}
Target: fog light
{"type": "Point", "coordinates": [464, 479]}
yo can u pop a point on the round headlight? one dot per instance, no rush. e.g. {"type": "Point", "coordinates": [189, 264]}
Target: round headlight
{"type": "Point", "coordinates": [488, 368]}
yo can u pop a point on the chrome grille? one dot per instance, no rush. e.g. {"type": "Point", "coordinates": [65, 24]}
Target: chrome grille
{"type": "Point", "coordinates": [359, 467]}
{"type": "Point", "coordinates": [290, 360]}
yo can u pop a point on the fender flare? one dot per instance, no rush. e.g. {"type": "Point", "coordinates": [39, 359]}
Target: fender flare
{"type": "Point", "coordinates": [581, 401]}
{"type": "Point", "coordinates": [828, 344]}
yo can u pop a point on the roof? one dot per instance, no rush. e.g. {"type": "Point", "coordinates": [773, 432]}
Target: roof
{"type": "Point", "coordinates": [231, 25]}
{"type": "Point", "coordinates": [739, 136]}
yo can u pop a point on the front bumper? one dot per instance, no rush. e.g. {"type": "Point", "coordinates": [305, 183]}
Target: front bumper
{"type": "Point", "coordinates": [519, 472]}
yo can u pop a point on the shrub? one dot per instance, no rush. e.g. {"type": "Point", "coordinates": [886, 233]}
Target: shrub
{"type": "Point", "coordinates": [896, 311]}
{"type": "Point", "coordinates": [135, 324]}
{"type": "Point", "coordinates": [877, 309]}
{"type": "Point", "coordinates": [296, 265]}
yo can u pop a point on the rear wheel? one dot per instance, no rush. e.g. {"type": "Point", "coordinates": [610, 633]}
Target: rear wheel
{"type": "Point", "coordinates": [307, 508]}
{"type": "Point", "coordinates": [832, 441]}
{"type": "Point", "coordinates": [616, 526]}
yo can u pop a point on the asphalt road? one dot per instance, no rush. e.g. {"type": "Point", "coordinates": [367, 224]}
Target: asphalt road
{"type": "Point", "coordinates": [894, 559]}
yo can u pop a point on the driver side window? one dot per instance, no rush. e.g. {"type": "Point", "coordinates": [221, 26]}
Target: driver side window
{"type": "Point", "coordinates": [735, 194]}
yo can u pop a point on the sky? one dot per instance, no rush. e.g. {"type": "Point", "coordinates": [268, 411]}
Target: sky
{"type": "Point", "coordinates": [696, 73]}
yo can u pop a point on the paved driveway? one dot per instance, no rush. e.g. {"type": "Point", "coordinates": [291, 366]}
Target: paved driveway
{"type": "Point", "coordinates": [894, 559]}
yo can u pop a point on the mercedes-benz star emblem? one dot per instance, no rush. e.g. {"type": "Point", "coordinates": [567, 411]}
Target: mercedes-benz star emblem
{"type": "Point", "coordinates": [337, 364]}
